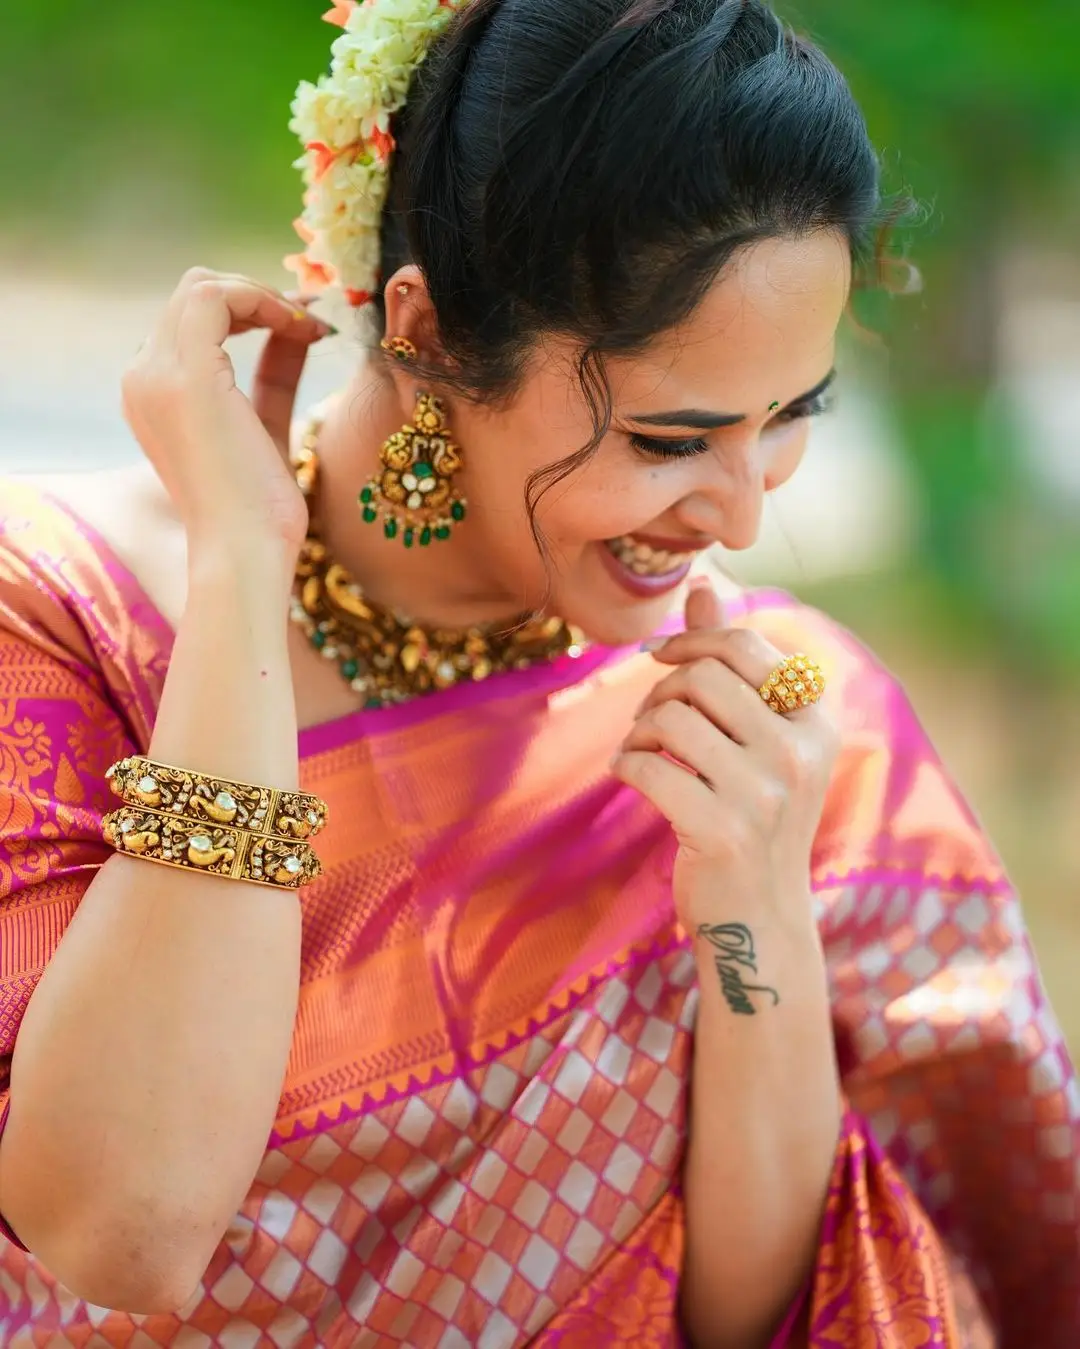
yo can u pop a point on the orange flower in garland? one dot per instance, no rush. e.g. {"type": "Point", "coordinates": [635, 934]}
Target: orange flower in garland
{"type": "Point", "coordinates": [340, 13]}
{"type": "Point", "coordinates": [343, 122]}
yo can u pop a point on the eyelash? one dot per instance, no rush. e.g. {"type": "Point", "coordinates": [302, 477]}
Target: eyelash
{"type": "Point", "coordinates": [687, 449]}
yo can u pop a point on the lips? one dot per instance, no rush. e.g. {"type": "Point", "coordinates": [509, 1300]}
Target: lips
{"type": "Point", "coordinates": [640, 583]}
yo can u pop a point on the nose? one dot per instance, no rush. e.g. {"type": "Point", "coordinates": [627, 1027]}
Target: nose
{"type": "Point", "coordinates": [728, 502]}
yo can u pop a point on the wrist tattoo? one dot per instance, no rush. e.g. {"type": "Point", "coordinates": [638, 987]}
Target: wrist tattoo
{"type": "Point", "coordinates": [734, 947]}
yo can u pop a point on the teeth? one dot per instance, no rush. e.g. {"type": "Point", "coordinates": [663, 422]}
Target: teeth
{"type": "Point", "coordinates": [643, 560]}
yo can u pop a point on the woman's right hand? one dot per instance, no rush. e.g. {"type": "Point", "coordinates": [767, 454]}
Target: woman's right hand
{"type": "Point", "coordinates": [122, 1181]}
{"type": "Point", "coordinates": [223, 458]}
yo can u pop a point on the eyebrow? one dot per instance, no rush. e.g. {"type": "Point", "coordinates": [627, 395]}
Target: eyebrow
{"type": "Point", "coordinates": [712, 421]}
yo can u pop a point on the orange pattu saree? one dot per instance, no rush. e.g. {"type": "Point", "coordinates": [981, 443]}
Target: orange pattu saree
{"type": "Point", "coordinates": [480, 1136]}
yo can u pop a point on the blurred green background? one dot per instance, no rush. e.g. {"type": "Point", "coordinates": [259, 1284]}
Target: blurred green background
{"type": "Point", "coordinates": [141, 138]}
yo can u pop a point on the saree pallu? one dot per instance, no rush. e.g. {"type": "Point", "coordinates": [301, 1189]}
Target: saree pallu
{"type": "Point", "coordinates": [480, 1135]}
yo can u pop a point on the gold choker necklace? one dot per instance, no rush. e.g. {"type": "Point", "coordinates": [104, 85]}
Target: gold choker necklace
{"type": "Point", "coordinates": [385, 657]}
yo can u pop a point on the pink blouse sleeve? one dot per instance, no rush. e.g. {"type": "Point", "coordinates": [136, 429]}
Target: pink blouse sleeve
{"type": "Point", "coordinates": [58, 735]}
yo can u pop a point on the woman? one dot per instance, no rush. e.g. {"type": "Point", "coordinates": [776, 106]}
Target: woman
{"type": "Point", "coordinates": [644, 997]}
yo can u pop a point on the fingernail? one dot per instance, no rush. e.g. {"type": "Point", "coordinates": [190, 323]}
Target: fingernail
{"type": "Point", "coordinates": [700, 583]}
{"type": "Point", "coordinates": [654, 644]}
{"type": "Point", "coordinates": [328, 329]}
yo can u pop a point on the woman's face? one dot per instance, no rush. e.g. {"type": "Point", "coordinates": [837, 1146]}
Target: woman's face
{"type": "Point", "coordinates": [711, 418]}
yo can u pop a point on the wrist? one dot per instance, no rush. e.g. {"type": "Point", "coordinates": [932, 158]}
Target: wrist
{"type": "Point", "coordinates": [258, 569]}
{"type": "Point", "coordinates": [789, 927]}
{"type": "Point", "coordinates": [781, 961]}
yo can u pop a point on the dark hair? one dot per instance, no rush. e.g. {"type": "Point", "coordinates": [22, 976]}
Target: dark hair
{"type": "Point", "coordinates": [587, 168]}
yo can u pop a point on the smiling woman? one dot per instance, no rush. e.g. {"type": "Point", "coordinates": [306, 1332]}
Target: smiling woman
{"type": "Point", "coordinates": [651, 983]}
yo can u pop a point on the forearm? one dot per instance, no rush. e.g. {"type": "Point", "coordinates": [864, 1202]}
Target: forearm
{"type": "Point", "coordinates": [765, 1121]}
{"type": "Point", "coordinates": [150, 1060]}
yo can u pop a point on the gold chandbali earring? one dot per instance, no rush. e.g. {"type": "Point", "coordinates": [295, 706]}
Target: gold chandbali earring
{"type": "Point", "coordinates": [414, 495]}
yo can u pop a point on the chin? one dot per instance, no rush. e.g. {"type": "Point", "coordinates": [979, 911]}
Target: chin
{"type": "Point", "coordinates": [613, 623]}
{"type": "Point", "coordinates": [626, 629]}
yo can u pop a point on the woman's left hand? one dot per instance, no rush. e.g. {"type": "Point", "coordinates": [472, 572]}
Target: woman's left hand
{"type": "Point", "coordinates": [747, 804]}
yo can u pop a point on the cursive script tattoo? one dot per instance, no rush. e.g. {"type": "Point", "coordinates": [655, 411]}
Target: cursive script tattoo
{"type": "Point", "coordinates": [734, 947]}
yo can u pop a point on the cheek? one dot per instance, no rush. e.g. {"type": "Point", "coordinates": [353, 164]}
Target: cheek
{"type": "Point", "coordinates": [616, 493]}
{"type": "Point", "coordinates": [786, 456]}
{"type": "Point", "coordinates": [515, 448]}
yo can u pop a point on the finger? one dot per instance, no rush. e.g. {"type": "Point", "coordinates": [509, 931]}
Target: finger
{"type": "Point", "coordinates": [718, 693]}
{"type": "Point", "coordinates": [196, 277]}
{"type": "Point", "coordinates": [215, 309]}
{"type": "Point", "coordinates": [274, 390]}
{"type": "Point", "coordinates": [703, 608]}
{"type": "Point", "coordinates": [687, 803]}
{"type": "Point", "coordinates": [747, 653]}
{"type": "Point", "coordinates": [752, 656]}
{"type": "Point", "coordinates": [170, 319]}
{"type": "Point", "coordinates": [295, 299]}
{"type": "Point", "coordinates": [683, 732]}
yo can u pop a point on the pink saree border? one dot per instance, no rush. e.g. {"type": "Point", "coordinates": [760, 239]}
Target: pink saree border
{"type": "Point", "coordinates": [563, 673]}
{"type": "Point", "coordinates": [911, 878]}
{"type": "Point", "coordinates": [550, 678]}
{"type": "Point", "coordinates": [333, 735]}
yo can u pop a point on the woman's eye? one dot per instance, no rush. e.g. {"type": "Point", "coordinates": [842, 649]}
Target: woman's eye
{"type": "Point", "coordinates": [815, 407]}
{"type": "Point", "coordinates": [669, 449]}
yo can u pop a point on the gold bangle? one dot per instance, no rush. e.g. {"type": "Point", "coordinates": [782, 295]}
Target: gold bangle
{"type": "Point", "coordinates": [216, 801]}
{"type": "Point", "coordinates": [236, 854]}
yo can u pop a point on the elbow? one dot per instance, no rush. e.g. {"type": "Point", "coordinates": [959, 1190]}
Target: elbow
{"type": "Point", "coordinates": [141, 1290]}
{"type": "Point", "coordinates": [125, 1267]}
{"type": "Point", "coordinates": [125, 1247]}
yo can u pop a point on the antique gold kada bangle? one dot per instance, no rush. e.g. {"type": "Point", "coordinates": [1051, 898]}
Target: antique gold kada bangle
{"type": "Point", "coordinates": [215, 800]}
{"type": "Point", "coordinates": [234, 854]}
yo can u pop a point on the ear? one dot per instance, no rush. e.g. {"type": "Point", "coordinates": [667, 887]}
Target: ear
{"type": "Point", "coordinates": [408, 307]}
{"type": "Point", "coordinates": [410, 313]}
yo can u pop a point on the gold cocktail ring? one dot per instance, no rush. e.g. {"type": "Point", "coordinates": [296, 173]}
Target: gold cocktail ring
{"type": "Point", "coordinates": [796, 682]}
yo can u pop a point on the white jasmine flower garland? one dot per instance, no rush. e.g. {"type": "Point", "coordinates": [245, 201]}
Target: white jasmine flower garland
{"type": "Point", "coordinates": [343, 122]}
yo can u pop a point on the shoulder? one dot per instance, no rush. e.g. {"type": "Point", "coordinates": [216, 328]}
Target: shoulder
{"type": "Point", "coordinates": [123, 516]}
{"type": "Point", "coordinates": [69, 607]}
{"type": "Point", "coordinates": [894, 811]}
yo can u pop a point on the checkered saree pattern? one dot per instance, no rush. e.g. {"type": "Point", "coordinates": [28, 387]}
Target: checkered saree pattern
{"type": "Point", "coordinates": [480, 1135]}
